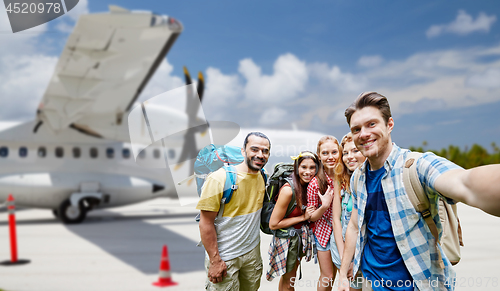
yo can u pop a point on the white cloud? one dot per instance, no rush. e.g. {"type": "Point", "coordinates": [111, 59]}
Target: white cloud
{"type": "Point", "coordinates": [344, 82]}
{"type": "Point", "coordinates": [81, 8]}
{"type": "Point", "coordinates": [24, 71]}
{"type": "Point", "coordinates": [223, 88]}
{"type": "Point", "coordinates": [273, 116]}
{"type": "Point", "coordinates": [24, 80]}
{"type": "Point", "coordinates": [222, 92]}
{"type": "Point", "coordinates": [463, 25]}
{"type": "Point", "coordinates": [446, 79]}
{"type": "Point", "coordinates": [67, 22]}
{"type": "Point", "coordinates": [370, 61]}
{"type": "Point", "coordinates": [488, 79]}
{"type": "Point", "coordinates": [287, 82]}
{"type": "Point", "coordinates": [18, 43]}
{"type": "Point", "coordinates": [421, 82]}
{"type": "Point", "coordinates": [162, 81]}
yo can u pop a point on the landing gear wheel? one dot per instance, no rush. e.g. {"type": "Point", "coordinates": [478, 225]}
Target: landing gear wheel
{"type": "Point", "coordinates": [55, 212]}
{"type": "Point", "coordinates": [70, 214]}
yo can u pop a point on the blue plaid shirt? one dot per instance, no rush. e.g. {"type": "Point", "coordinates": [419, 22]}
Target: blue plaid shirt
{"type": "Point", "coordinates": [413, 237]}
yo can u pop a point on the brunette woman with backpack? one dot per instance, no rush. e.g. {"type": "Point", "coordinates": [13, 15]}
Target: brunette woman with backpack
{"type": "Point", "coordinates": [285, 253]}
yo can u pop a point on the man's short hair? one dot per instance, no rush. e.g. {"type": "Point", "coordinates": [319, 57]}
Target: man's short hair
{"type": "Point", "coordinates": [256, 133]}
{"type": "Point", "coordinates": [367, 99]}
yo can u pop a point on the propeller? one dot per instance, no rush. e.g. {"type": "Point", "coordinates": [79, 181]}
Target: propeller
{"type": "Point", "coordinates": [190, 149]}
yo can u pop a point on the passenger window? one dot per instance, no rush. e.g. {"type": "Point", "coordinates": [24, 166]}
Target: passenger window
{"type": "Point", "coordinates": [76, 152]}
{"type": "Point", "coordinates": [142, 154]}
{"type": "Point", "coordinates": [23, 152]}
{"type": "Point", "coordinates": [110, 153]}
{"type": "Point", "coordinates": [171, 154]}
{"type": "Point", "coordinates": [125, 153]}
{"type": "Point", "coordinates": [4, 152]}
{"type": "Point", "coordinates": [59, 152]}
{"type": "Point", "coordinates": [93, 153]}
{"type": "Point", "coordinates": [156, 153]}
{"type": "Point", "coordinates": [42, 152]}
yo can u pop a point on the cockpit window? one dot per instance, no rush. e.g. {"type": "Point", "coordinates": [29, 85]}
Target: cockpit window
{"type": "Point", "coordinates": [158, 19]}
{"type": "Point", "coordinates": [23, 152]}
{"type": "Point", "coordinates": [59, 152]}
{"type": "Point", "coordinates": [42, 152]}
{"type": "Point", "coordinates": [93, 153]}
{"type": "Point", "coordinates": [76, 152]}
{"type": "Point", "coordinates": [110, 153]}
{"type": "Point", "coordinates": [4, 152]}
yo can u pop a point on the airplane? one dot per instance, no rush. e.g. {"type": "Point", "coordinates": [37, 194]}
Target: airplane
{"type": "Point", "coordinates": [77, 154]}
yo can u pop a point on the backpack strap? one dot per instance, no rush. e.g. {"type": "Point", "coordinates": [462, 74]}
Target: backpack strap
{"type": "Point", "coordinates": [289, 231]}
{"type": "Point", "coordinates": [230, 184]}
{"type": "Point", "coordinates": [293, 202]}
{"type": "Point", "coordinates": [229, 187]}
{"type": "Point", "coordinates": [417, 196]}
{"type": "Point", "coordinates": [357, 174]}
{"type": "Point", "coordinates": [264, 175]}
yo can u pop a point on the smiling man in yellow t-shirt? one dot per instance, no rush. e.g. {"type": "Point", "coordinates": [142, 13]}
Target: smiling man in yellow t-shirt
{"type": "Point", "coordinates": [232, 240]}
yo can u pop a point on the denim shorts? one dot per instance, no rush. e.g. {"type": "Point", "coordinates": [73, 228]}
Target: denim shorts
{"type": "Point", "coordinates": [319, 247]}
{"type": "Point", "coordinates": [335, 252]}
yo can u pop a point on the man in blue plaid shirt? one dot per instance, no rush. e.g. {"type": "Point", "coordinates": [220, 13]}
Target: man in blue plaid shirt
{"type": "Point", "coordinates": [389, 240]}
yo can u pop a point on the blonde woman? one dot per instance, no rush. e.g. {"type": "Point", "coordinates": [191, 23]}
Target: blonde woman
{"type": "Point", "coordinates": [342, 204]}
{"type": "Point", "coordinates": [320, 198]}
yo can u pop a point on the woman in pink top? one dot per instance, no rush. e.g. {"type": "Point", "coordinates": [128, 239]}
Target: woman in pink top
{"type": "Point", "coordinates": [320, 198]}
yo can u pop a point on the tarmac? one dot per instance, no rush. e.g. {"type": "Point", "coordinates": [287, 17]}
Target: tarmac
{"type": "Point", "coordinates": [120, 249]}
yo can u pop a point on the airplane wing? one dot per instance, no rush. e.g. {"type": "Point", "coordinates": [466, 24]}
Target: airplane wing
{"type": "Point", "coordinates": [107, 61]}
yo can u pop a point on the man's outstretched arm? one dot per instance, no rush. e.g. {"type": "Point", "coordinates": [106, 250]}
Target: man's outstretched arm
{"type": "Point", "coordinates": [478, 187]}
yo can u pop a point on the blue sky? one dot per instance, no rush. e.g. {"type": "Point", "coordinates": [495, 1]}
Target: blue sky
{"type": "Point", "coordinates": [274, 63]}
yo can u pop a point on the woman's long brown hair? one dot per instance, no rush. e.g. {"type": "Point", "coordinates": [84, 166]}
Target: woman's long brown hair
{"type": "Point", "coordinates": [321, 176]}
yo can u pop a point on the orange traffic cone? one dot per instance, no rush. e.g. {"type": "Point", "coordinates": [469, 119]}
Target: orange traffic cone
{"type": "Point", "coordinates": [165, 278]}
{"type": "Point", "coordinates": [13, 236]}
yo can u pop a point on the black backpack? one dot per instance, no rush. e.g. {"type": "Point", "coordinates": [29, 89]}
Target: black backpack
{"type": "Point", "coordinates": [281, 175]}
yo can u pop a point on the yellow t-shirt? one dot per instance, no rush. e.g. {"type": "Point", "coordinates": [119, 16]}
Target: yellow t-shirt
{"type": "Point", "coordinates": [238, 230]}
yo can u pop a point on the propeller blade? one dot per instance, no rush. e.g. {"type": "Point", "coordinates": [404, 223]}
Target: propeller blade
{"type": "Point", "coordinates": [187, 76]}
{"type": "Point", "coordinates": [201, 86]}
{"type": "Point", "coordinates": [192, 105]}
{"type": "Point", "coordinates": [189, 148]}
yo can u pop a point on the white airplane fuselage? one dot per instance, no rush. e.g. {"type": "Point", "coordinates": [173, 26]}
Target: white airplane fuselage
{"type": "Point", "coordinates": [42, 169]}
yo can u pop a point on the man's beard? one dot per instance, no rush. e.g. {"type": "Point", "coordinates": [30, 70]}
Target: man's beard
{"type": "Point", "coordinates": [252, 167]}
